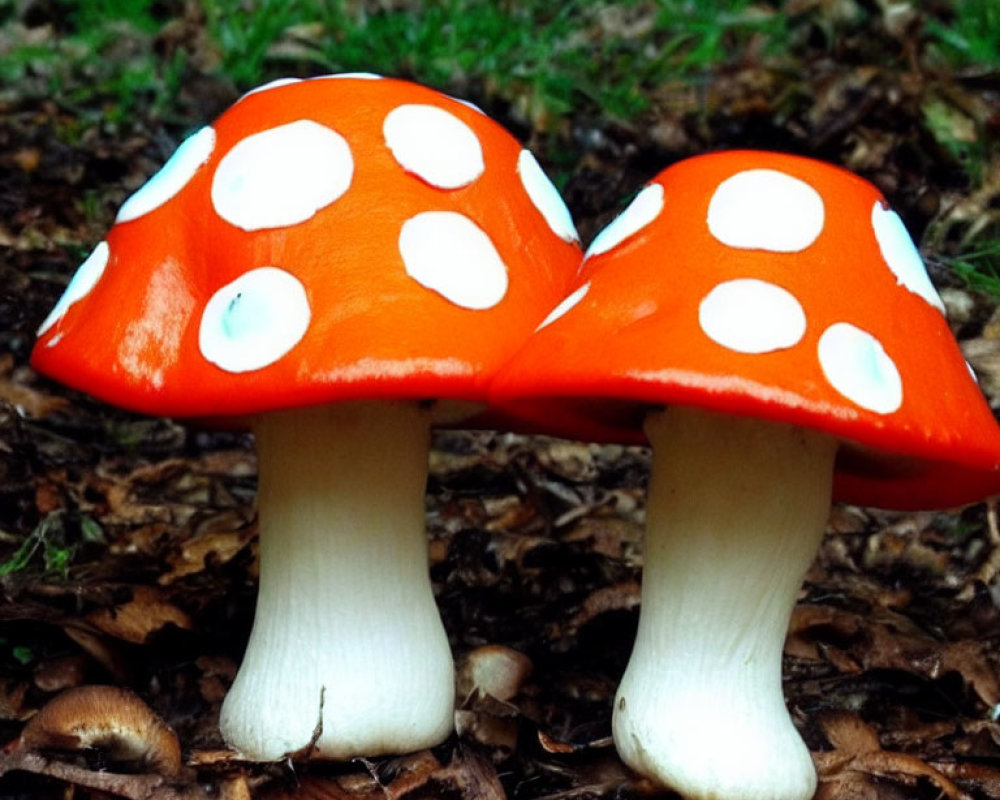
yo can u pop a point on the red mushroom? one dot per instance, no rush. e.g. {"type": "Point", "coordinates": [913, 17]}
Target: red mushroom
{"type": "Point", "coordinates": [780, 313]}
{"type": "Point", "coordinates": [323, 262]}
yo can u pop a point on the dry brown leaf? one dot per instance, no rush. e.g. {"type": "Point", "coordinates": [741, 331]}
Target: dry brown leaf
{"type": "Point", "coordinates": [970, 659]}
{"type": "Point", "coordinates": [884, 639]}
{"type": "Point", "coordinates": [100, 649]}
{"type": "Point", "coordinates": [218, 538]}
{"type": "Point", "coordinates": [217, 674]}
{"type": "Point", "coordinates": [235, 463]}
{"type": "Point", "coordinates": [573, 461]}
{"type": "Point", "coordinates": [133, 787]}
{"type": "Point", "coordinates": [12, 694]}
{"type": "Point", "coordinates": [607, 535]}
{"type": "Point", "coordinates": [28, 401]}
{"type": "Point", "coordinates": [979, 776]}
{"type": "Point", "coordinates": [497, 734]}
{"type": "Point", "coordinates": [136, 620]}
{"type": "Point", "coordinates": [312, 787]}
{"type": "Point", "coordinates": [235, 788]}
{"type": "Point", "coordinates": [471, 775]}
{"type": "Point", "coordinates": [550, 745]}
{"type": "Point", "coordinates": [619, 597]}
{"type": "Point", "coordinates": [384, 780]}
{"type": "Point", "coordinates": [145, 540]}
{"type": "Point", "coordinates": [124, 509]}
{"type": "Point", "coordinates": [213, 758]}
{"type": "Point", "coordinates": [849, 734]}
{"type": "Point", "coordinates": [512, 514]}
{"type": "Point", "coordinates": [858, 759]}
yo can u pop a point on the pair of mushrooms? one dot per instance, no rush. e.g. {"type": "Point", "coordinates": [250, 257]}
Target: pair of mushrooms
{"type": "Point", "coordinates": [342, 262]}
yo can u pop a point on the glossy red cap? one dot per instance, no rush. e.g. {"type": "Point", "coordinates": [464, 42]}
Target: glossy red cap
{"type": "Point", "coordinates": [773, 286]}
{"type": "Point", "coordinates": [340, 238]}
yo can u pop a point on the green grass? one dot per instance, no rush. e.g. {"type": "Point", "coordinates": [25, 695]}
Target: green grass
{"type": "Point", "coordinates": [99, 62]}
{"type": "Point", "coordinates": [971, 38]}
{"type": "Point", "coordinates": [537, 61]}
{"type": "Point", "coordinates": [50, 548]}
{"type": "Point", "coordinates": [960, 135]}
{"type": "Point", "coordinates": [543, 58]}
{"type": "Point", "coordinates": [44, 544]}
{"type": "Point", "coordinates": [546, 58]}
{"type": "Point", "coordinates": [979, 268]}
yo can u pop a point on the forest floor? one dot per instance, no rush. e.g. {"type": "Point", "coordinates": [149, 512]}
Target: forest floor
{"type": "Point", "coordinates": [128, 544]}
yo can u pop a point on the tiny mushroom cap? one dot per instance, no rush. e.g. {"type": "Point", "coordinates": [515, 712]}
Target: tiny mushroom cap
{"type": "Point", "coordinates": [321, 263]}
{"type": "Point", "coordinates": [107, 717]}
{"type": "Point", "coordinates": [765, 322]}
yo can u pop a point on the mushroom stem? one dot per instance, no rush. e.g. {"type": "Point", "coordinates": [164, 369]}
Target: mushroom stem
{"type": "Point", "coordinates": [737, 508]}
{"type": "Point", "coordinates": [347, 653]}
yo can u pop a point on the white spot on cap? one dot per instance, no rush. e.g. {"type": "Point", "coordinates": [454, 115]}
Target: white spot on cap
{"type": "Point", "coordinates": [282, 176]}
{"type": "Point", "coordinates": [172, 177]}
{"type": "Point", "coordinates": [567, 304]}
{"type": "Point", "coordinates": [902, 255]}
{"type": "Point", "coordinates": [644, 208]}
{"type": "Point", "coordinates": [275, 84]}
{"type": "Point", "coordinates": [752, 316]}
{"type": "Point", "coordinates": [763, 209]}
{"type": "Point", "coordinates": [86, 277]}
{"type": "Point", "coordinates": [254, 321]}
{"type": "Point", "coordinates": [857, 366]}
{"type": "Point", "coordinates": [546, 197]}
{"type": "Point", "coordinates": [434, 145]}
{"type": "Point", "coordinates": [361, 76]}
{"type": "Point", "coordinates": [450, 254]}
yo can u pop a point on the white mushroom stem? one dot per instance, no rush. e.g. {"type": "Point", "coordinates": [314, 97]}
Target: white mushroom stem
{"type": "Point", "coordinates": [736, 511]}
{"type": "Point", "coordinates": [347, 640]}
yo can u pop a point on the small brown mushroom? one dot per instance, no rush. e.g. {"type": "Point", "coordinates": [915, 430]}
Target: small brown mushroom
{"type": "Point", "coordinates": [115, 720]}
{"type": "Point", "coordinates": [492, 671]}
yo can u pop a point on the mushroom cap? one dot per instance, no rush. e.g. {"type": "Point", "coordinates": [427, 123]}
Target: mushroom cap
{"type": "Point", "coordinates": [348, 237]}
{"type": "Point", "coordinates": [771, 286]}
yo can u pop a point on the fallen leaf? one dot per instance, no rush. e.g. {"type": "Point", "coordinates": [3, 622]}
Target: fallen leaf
{"type": "Point", "coordinates": [218, 539]}
{"type": "Point", "coordinates": [12, 695]}
{"type": "Point", "coordinates": [137, 619]}
{"type": "Point", "coordinates": [28, 401]}
{"type": "Point", "coordinates": [858, 759]}
{"type": "Point", "coordinates": [133, 787]}
{"type": "Point", "coordinates": [619, 597]}
{"type": "Point", "coordinates": [884, 639]}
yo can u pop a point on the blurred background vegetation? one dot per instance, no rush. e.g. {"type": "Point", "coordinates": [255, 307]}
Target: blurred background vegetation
{"type": "Point", "coordinates": [659, 78]}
